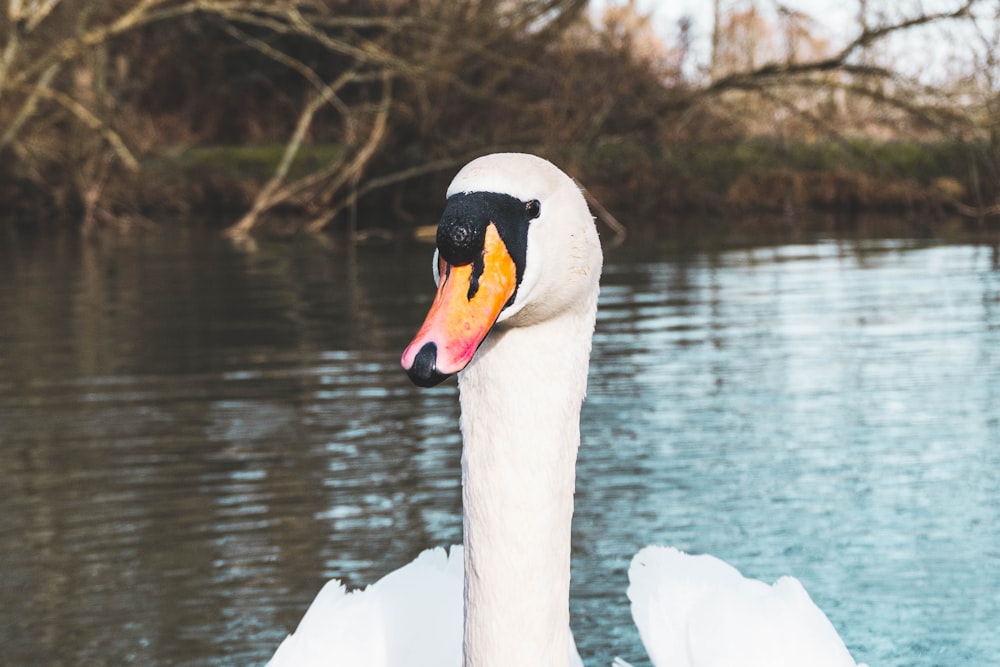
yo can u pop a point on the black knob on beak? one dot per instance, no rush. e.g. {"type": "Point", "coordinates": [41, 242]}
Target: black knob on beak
{"type": "Point", "coordinates": [460, 238]}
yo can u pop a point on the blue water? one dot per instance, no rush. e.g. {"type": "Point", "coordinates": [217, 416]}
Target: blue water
{"type": "Point", "coordinates": [194, 436]}
{"type": "Point", "coordinates": [814, 411]}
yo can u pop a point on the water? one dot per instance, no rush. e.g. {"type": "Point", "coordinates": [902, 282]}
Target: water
{"type": "Point", "coordinates": [193, 437]}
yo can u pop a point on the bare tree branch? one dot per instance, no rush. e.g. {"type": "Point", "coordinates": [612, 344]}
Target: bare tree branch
{"type": "Point", "coordinates": [353, 170]}
{"type": "Point", "coordinates": [838, 61]}
{"type": "Point", "coordinates": [29, 106]}
{"type": "Point", "coordinates": [272, 193]}
{"type": "Point", "coordinates": [88, 118]}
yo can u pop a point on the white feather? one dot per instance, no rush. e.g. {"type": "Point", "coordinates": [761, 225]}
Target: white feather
{"type": "Point", "coordinates": [698, 611]}
{"type": "Point", "coordinates": [412, 612]}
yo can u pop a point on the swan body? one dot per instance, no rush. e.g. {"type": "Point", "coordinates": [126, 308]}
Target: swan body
{"type": "Point", "coordinates": [517, 266]}
{"type": "Point", "coordinates": [411, 617]}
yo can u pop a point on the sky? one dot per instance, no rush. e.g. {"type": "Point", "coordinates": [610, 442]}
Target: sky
{"type": "Point", "coordinates": [836, 16]}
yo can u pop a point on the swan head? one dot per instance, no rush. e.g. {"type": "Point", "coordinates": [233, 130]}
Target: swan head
{"type": "Point", "coordinates": [516, 246]}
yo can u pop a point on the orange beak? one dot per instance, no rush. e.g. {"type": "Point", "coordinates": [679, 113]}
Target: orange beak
{"type": "Point", "coordinates": [468, 302]}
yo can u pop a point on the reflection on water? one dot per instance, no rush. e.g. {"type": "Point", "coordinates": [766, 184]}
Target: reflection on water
{"type": "Point", "coordinates": [192, 438]}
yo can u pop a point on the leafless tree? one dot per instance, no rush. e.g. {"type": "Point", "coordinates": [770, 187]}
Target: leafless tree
{"type": "Point", "coordinates": [403, 89]}
{"type": "Point", "coordinates": [60, 66]}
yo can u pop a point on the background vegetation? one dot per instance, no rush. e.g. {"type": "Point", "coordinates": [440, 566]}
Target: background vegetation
{"type": "Point", "coordinates": [348, 115]}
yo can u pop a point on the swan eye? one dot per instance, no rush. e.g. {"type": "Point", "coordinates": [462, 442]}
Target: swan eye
{"type": "Point", "coordinates": [533, 208]}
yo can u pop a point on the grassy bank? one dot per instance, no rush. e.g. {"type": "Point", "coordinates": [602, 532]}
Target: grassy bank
{"type": "Point", "coordinates": [673, 189]}
{"type": "Point", "coordinates": [767, 186]}
{"type": "Point", "coordinates": [772, 176]}
{"type": "Point", "coordinates": [755, 186]}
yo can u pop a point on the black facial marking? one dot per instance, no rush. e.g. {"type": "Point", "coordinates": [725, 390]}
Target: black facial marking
{"type": "Point", "coordinates": [478, 266]}
{"type": "Point", "coordinates": [462, 230]}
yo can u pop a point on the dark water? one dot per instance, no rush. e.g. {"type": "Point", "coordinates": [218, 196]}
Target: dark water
{"type": "Point", "coordinates": [194, 437]}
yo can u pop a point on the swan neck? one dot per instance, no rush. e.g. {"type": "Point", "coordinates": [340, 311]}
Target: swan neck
{"type": "Point", "coordinates": [521, 403]}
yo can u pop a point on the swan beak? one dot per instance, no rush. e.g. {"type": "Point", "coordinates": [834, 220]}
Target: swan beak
{"type": "Point", "coordinates": [469, 300]}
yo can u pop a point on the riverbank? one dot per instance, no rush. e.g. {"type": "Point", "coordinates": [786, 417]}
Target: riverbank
{"type": "Point", "coordinates": [770, 184]}
{"type": "Point", "coordinates": [755, 187]}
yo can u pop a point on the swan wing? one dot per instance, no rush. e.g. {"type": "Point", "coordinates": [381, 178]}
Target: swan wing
{"type": "Point", "coordinates": [698, 611]}
{"type": "Point", "coordinates": [411, 616]}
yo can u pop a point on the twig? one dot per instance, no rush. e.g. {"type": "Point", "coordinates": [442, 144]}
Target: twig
{"type": "Point", "coordinates": [977, 211]}
{"type": "Point", "coordinates": [605, 216]}
{"type": "Point", "coordinates": [364, 155]}
{"type": "Point", "coordinates": [29, 106]}
{"type": "Point", "coordinates": [838, 61]}
{"type": "Point", "coordinates": [413, 172]}
{"type": "Point", "coordinates": [308, 73]}
{"type": "Point", "coordinates": [88, 118]}
{"type": "Point", "coordinates": [9, 52]}
{"type": "Point", "coordinates": [272, 193]}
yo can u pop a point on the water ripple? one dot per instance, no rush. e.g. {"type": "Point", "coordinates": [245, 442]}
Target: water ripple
{"type": "Point", "coordinates": [193, 438]}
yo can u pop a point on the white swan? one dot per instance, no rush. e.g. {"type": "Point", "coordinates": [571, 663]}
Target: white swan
{"type": "Point", "coordinates": [517, 266]}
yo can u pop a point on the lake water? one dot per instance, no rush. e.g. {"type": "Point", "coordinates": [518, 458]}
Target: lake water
{"type": "Point", "coordinates": [193, 437]}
